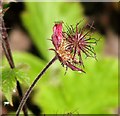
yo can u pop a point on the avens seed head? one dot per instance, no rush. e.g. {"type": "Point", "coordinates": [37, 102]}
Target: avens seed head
{"type": "Point", "coordinates": [70, 45]}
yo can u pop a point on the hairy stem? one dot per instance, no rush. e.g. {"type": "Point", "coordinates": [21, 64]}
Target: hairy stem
{"type": "Point", "coordinates": [8, 54]}
{"type": "Point", "coordinates": [25, 97]}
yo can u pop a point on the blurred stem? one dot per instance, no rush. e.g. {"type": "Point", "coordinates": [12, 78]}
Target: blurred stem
{"type": "Point", "coordinates": [8, 54]}
{"type": "Point", "coordinates": [25, 97]}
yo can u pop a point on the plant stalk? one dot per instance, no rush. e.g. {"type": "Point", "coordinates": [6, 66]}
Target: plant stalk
{"type": "Point", "coordinates": [8, 54]}
{"type": "Point", "coordinates": [26, 95]}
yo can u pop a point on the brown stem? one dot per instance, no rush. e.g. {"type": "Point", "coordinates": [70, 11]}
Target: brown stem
{"type": "Point", "coordinates": [8, 54]}
{"type": "Point", "coordinates": [26, 95]}
{"type": "Point", "coordinates": [21, 95]}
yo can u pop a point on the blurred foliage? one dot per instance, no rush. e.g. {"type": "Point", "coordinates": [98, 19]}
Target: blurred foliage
{"type": "Point", "coordinates": [90, 93]}
{"type": "Point", "coordinates": [40, 17]}
{"type": "Point", "coordinates": [93, 92]}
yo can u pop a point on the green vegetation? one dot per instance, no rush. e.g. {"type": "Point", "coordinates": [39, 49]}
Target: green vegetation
{"type": "Point", "coordinates": [90, 93]}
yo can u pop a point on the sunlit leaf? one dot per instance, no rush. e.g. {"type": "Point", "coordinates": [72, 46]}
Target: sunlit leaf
{"type": "Point", "coordinates": [28, 64]}
{"type": "Point", "coordinates": [8, 83]}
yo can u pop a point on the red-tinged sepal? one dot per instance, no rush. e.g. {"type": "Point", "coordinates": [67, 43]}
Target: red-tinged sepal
{"type": "Point", "coordinates": [57, 35]}
{"type": "Point", "coordinates": [74, 68]}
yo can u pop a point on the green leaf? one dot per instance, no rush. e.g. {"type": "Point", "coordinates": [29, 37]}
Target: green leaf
{"type": "Point", "coordinates": [9, 77]}
{"type": "Point", "coordinates": [22, 76]}
{"type": "Point", "coordinates": [8, 83]}
{"type": "Point", "coordinates": [27, 65]}
{"type": "Point", "coordinates": [27, 68]}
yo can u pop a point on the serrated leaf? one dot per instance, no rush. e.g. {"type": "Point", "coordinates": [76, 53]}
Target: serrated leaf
{"type": "Point", "coordinates": [22, 76]}
{"type": "Point", "coordinates": [8, 83]}
{"type": "Point", "coordinates": [32, 64]}
{"type": "Point", "coordinates": [9, 77]}
{"type": "Point", "coordinates": [27, 63]}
